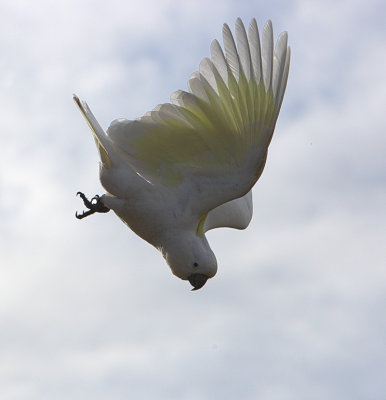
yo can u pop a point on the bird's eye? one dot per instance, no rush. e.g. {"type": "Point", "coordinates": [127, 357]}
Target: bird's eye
{"type": "Point", "coordinates": [195, 264]}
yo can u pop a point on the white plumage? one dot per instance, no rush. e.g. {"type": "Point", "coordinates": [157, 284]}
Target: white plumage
{"type": "Point", "coordinates": [189, 166]}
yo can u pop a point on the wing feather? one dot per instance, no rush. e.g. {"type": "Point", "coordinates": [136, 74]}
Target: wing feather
{"type": "Point", "coordinates": [267, 55]}
{"type": "Point", "coordinates": [243, 49]}
{"type": "Point", "coordinates": [284, 79]}
{"type": "Point", "coordinates": [235, 214]}
{"type": "Point", "coordinates": [279, 63]}
{"type": "Point", "coordinates": [196, 87]}
{"type": "Point", "coordinates": [231, 109]}
{"type": "Point", "coordinates": [231, 54]}
{"type": "Point", "coordinates": [255, 48]}
{"type": "Point", "coordinates": [219, 60]}
{"type": "Point", "coordinates": [221, 129]}
{"type": "Point", "coordinates": [98, 133]}
{"type": "Point", "coordinates": [206, 71]}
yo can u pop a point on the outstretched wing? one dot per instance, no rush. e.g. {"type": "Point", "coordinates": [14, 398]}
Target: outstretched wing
{"type": "Point", "coordinates": [211, 143]}
{"type": "Point", "coordinates": [231, 109]}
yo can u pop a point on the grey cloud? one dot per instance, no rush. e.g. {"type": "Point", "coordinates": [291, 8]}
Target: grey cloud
{"type": "Point", "coordinates": [88, 310]}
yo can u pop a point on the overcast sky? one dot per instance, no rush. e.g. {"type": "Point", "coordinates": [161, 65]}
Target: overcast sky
{"type": "Point", "coordinates": [90, 311]}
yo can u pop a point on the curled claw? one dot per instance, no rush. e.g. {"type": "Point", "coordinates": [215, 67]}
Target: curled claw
{"type": "Point", "coordinates": [84, 214]}
{"type": "Point", "coordinates": [95, 205]}
{"type": "Point", "coordinates": [86, 202]}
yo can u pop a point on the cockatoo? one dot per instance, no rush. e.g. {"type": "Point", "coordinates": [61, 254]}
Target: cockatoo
{"type": "Point", "coordinates": [189, 166]}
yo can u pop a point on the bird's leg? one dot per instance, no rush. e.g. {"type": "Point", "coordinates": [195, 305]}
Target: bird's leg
{"type": "Point", "coordinates": [95, 205]}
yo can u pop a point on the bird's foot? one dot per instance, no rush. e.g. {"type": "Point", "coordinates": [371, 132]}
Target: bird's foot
{"type": "Point", "coordinates": [95, 205]}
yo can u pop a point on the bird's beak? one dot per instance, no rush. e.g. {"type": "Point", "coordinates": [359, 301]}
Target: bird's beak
{"type": "Point", "coordinates": [197, 281]}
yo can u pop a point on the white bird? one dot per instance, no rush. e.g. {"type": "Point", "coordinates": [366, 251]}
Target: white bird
{"type": "Point", "coordinates": [189, 166]}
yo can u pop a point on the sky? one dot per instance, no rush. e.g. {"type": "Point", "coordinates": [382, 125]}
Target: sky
{"type": "Point", "coordinates": [89, 310]}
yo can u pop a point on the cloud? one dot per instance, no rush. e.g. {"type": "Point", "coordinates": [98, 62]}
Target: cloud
{"type": "Point", "coordinates": [88, 309]}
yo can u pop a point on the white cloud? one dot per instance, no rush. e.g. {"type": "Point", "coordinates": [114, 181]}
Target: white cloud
{"type": "Point", "coordinates": [87, 309]}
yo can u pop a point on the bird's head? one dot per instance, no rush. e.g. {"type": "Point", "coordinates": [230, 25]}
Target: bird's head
{"type": "Point", "coordinates": [190, 258]}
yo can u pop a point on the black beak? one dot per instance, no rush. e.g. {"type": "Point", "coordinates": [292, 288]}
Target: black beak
{"type": "Point", "coordinates": [197, 281]}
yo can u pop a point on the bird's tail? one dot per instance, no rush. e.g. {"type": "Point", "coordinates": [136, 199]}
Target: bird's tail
{"type": "Point", "coordinates": [100, 136]}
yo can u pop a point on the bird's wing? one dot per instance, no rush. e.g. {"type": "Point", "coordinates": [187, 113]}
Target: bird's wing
{"type": "Point", "coordinates": [209, 146]}
{"type": "Point", "coordinates": [233, 214]}
{"type": "Point", "coordinates": [99, 135]}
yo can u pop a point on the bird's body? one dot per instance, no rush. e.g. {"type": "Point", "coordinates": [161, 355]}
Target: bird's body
{"type": "Point", "coordinates": [189, 166]}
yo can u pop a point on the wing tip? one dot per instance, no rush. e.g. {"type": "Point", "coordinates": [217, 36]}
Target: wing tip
{"type": "Point", "coordinates": [87, 114]}
{"type": "Point", "coordinates": [77, 100]}
{"type": "Point", "coordinates": [268, 25]}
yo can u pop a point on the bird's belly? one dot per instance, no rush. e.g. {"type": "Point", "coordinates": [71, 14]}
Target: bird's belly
{"type": "Point", "coordinates": [148, 221]}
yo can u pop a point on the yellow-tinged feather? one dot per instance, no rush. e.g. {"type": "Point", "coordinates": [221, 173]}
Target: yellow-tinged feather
{"type": "Point", "coordinates": [231, 111]}
{"type": "Point", "coordinates": [201, 226]}
{"type": "Point", "coordinates": [211, 135]}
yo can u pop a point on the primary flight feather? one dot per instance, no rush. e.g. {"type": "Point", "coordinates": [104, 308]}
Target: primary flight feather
{"type": "Point", "coordinates": [189, 166]}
